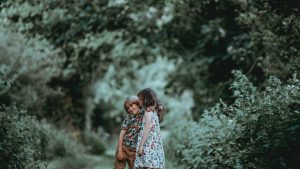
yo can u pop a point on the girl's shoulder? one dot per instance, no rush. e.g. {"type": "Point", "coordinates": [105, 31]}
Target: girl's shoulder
{"type": "Point", "coordinates": [148, 113]}
{"type": "Point", "coordinates": [151, 113]}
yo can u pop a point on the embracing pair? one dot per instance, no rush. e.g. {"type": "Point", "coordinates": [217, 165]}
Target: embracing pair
{"type": "Point", "coordinates": [140, 143]}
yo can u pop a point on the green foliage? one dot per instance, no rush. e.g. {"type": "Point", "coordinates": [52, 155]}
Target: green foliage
{"type": "Point", "coordinates": [271, 135]}
{"type": "Point", "coordinates": [207, 38]}
{"type": "Point", "coordinates": [92, 37]}
{"type": "Point", "coordinates": [259, 130]}
{"type": "Point", "coordinates": [107, 91]}
{"type": "Point", "coordinates": [4, 84]}
{"type": "Point", "coordinates": [94, 142]}
{"type": "Point", "coordinates": [261, 38]}
{"type": "Point", "coordinates": [26, 143]}
{"type": "Point", "coordinates": [74, 62]}
{"type": "Point", "coordinates": [208, 143]}
{"type": "Point", "coordinates": [27, 65]}
{"type": "Point", "coordinates": [20, 145]}
{"type": "Point", "coordinates": [57, 143]}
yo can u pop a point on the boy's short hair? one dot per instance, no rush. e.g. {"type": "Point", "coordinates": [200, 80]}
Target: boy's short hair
{"type": "Point", "coordinates": [132, 100]}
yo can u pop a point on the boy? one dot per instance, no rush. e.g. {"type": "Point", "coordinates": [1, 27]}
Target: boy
{"type": "Point", "coordinates": [131, 126]}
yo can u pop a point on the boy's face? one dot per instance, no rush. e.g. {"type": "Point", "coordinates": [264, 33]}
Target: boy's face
{"type": "Point", "coordinates": [133, 109]}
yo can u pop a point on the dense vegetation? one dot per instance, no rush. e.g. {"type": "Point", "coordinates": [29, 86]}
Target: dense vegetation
{"type": "Point", "coordinates": [259, 130]}
{"type": "Point", "coordinates": [66, 67]}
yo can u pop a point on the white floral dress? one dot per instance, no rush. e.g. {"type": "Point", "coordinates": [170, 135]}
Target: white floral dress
{"type": "Point", "coordinates": [153, 152]}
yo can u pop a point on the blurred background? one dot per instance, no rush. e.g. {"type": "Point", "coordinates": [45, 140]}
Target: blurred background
{"type": "Point", "coordinates": [226, 72]}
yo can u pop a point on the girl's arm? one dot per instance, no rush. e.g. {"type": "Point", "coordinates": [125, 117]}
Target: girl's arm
{"type": "Point", "coordinates": [146, 131]}
{"type": "Point", "coordinates": [120, 143]}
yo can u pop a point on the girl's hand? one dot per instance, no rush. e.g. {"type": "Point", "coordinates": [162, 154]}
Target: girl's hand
{"type": "Point", "coordinates": [140, 151]}
{"type": "Point", "coordinates": [150, 108]}
{"type": "Point", "coordinates": [120, 155]}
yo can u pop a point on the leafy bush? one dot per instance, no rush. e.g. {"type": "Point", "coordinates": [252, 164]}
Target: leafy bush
{"type": "Point", "coordinates": [208, 143]}
{"type": "Point", "coordinates": [20, 143]}
{"type": "Point", "coordinates": [259, 130]}
{"type": "Point", "coordinates": [271, 132]}
{"type": "Point", "coordinates": [27, 143]}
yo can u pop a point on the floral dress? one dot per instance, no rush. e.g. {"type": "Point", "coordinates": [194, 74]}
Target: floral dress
{"type": "Point", "coordinates": [153, 152]}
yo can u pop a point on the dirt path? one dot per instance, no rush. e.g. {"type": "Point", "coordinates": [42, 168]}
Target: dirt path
{"type": "Point", "coordinates": [105, 161]}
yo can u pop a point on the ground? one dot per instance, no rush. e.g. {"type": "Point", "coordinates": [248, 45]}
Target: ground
{"type": "Point", "coordinates": [104, 161]}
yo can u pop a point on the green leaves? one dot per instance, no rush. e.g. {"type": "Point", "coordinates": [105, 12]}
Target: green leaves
{"type": "Point", "coordinates": [26, 143]}
{"type": "Point", "coordinates": [20, 143]}
{"type": "Point", "coordinates": [258, 130]}
{"type": "Point", "coordinates": [70, 61]}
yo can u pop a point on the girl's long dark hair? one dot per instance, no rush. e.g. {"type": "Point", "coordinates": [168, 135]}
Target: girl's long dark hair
{"type": "Point", "coordinates": [149, 98]}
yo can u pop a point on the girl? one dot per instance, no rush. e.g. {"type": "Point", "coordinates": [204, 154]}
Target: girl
{"type": "Point", "coordinates": [150, 153]}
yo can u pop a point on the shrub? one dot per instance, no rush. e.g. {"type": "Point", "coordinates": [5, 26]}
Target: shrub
{"type": "Point", "coordinates": [20, 143]}
{"type": "Point", "coordinates": [208, 143]}
{"type": "Point", "coordinates": [26, 143]}
{"type": "Point", "coordinates": [259, 130]}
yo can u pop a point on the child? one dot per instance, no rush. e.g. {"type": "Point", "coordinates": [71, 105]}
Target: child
{"type": "Point", "coordinates": [150, 153]}
{"type": "Point", "coordinates": [126, 150]}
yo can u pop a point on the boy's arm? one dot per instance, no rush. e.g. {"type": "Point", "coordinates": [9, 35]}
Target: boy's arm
{"type": "Point", "coordinates": [124, 128]}
{"type": "Point", "coordinates": [121, 137]}
{"type": "Point", "coordinates": [120, 143]}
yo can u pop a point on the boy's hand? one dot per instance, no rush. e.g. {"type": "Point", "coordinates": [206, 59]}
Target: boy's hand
{"type": "Point", "coordinates": [120, 155]}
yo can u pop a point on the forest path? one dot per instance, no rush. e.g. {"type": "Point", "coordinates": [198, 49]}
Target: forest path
{"type": "Point", "coordinates": [104, 161]}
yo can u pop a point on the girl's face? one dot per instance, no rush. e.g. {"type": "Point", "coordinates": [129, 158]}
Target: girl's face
{"type": "Point", "coordinates": [133, 108]}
